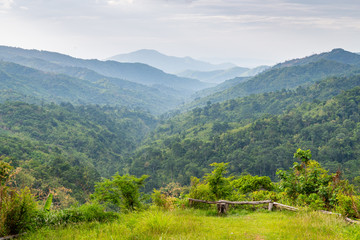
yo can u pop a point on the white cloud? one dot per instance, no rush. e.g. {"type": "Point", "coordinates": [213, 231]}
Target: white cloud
{"type": "Point", "coordinates": [100, 28]}
{"type": "Point", "coordinates": [118, 2]}
{"type": "Point", "coordinates": [6, 4]}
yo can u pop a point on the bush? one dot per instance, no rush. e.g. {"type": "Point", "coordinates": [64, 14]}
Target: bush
{"type": "Point", "coordinates": [84, 213]}
{"type": "Point", "coordinates": [17, 211]}
{"type": "Point", "coordinates": [170, 196]}
{"type": "Point", "coordinates": [348, 205]}
{"type": "Point", "coordinates": [313, 201]}
{"type": "Point", "coordinates": [247, 183]}
{"type": "Point", "coordinates": [17, 207]}
{"type": "Point", "coordinates": [122, 192]}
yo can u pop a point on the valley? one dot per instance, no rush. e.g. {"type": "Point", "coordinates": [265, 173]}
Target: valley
{"type": "Point", "coordinates": [80, 130]}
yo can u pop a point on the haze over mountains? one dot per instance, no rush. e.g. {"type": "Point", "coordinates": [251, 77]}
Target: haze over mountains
{"type": "Point", "coordinates": [168, 64]}
{"type": "Point", "coordinates": [219, 76]}
{"type": "Point", "coordinates": [101, 82]}
{"type": "Point", "coordinates": [135, 72]}
{"type": "Point", "coordinates": [188, 67]}
{"type": "Point", "coordinates": [36, 76]}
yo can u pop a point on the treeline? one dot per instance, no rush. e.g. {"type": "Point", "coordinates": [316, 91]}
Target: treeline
{"type": "Point", "coordinates": [65, 148]}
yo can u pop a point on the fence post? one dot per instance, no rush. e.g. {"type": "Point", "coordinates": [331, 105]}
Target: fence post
{"type": "Point", "coordinates": [222, 207]}
{"type": "Point", "coordinates": [271, 204]}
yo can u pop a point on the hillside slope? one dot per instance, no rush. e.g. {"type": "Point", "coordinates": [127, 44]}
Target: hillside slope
{"type": "Point", "coordinates": [134, 72]}
{"type": "Point", "coordinates": [243, 133]}
{"type": "Point", "coordinates": [281, 78]}
{"type": "Point", "coordinates": [67, 146]}
{"type": "Point", "coordinates": [30, 85]}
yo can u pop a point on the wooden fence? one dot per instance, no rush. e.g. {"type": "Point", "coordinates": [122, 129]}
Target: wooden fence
{"type": "Point", "coordinates": [223, 206]}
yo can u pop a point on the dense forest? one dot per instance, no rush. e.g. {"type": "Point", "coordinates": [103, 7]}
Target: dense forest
{"type": "Point", "coordinates": [65, 146]}
{"type": "Point", "coordinates": [253, 142]}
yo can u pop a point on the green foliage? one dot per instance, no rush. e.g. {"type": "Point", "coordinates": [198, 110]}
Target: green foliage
{"type": "Point", "coordinates": [17, 206]}
{"type": "Point", "coordinates": [214, 185]}
{"type": "Point", "coordinates": [259, 144]}
{"type": "Point", "coordinates": [76, 214]}
{"type": "Point", "coordinates": [201, 190]}
{"type": "Point", "coordinates": [303, 156]}
{"type": "Point", "coordinates": [306, 179]}
{"type": "Point", "coordinates": [122, 191]}
{"type": "Point", "coordinates": [170, 196]}
{"type": "Point", "coordinates": [5, 171]}
{"type": "Point", "coordinates": [218, 184]}
{"type": "Point", "coordinates": [48, 202]}
{"type": "Point", "coordinates": [348, 205]}
{"type": "Point", "coordinates": [247, 183]}
{"type": "Point", "coordinates": [17, 211]}
{"type": "Point", "coordinates": [66, 148]}
{"type": "Point", "coordinates": [308, 184]}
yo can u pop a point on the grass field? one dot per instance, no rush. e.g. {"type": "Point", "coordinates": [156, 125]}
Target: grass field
{"type": "Point", "coordinates": [201, 224]}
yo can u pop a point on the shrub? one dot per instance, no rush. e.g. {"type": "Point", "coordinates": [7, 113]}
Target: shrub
{"type": "Point", "coordinates": [247, 183]}
{"type": "Point", "coordinates": [84, 213]}
{"type": "Point", "coordinates": [348, 205]}
{"type": "Point", "coordinates": [17, 207]}
{"type": "Point", "coordinates": [122, 192]}
{"type": "Point", "coordinates": [17, 210]}
{"type": "Point", "coordinates": [170, 196]}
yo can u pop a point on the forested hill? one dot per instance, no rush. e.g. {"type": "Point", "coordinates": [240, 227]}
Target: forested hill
{"type": "Point", "coordinates": [20, 83]}
{"type": "Point", "coordinates": [245, 134]}
{"type": "Point", "coordinates": [66, 146]}
{"type": "Point", "coordinates": [289, 76]}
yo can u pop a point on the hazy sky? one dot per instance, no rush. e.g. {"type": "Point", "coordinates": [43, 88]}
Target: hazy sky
{"type": "Point", "coordinates": [248, 32]}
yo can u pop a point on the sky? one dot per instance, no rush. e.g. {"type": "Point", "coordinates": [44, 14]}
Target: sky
{"type": "Point", "coordinates": [246, 32]}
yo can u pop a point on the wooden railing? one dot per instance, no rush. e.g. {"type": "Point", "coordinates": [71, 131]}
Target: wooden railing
{"type": "Point", "coordinates": [223, 206]}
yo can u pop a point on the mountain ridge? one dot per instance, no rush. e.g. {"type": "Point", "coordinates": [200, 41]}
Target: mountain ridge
{"type": "Point", "coordinates": [219, 76]}
{"type": "Point", "coordinates": [35, 86]}
{"type": "Point", "coordinates": [168, 63]}
{"type": "Point", "coordinates": [287, 75]}
{"type": "Point", "coordinates": [135, 72]}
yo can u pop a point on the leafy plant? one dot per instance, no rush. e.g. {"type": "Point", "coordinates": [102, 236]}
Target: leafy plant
{"type": "Point", "coordinates": [122, 191]}
{"type": "Point", "coordinates": [17, 207]}
{"type": "Point", "coordinates": [48, 202]}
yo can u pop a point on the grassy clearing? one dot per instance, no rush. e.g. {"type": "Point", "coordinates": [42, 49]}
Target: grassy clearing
{"type": "Point", "coordinates": [196, 224]}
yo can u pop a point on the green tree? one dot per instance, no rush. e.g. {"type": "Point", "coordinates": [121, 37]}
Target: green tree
{"type": "Point", "coordinates": [219, 185]}
{"type": "Point", "coordinates": [122, 191]}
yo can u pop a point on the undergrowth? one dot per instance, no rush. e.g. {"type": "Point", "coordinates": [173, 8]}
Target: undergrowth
{"type": "Point", "coordinates": [202, 224]}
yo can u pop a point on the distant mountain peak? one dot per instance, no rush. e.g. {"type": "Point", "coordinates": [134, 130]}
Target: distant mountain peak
{"type": "Point", "coordinates": [169, 64]}
{"type": "Point", "coordinates": [337, 50]}
{"type": "Point", "coordinates": [147, 51]}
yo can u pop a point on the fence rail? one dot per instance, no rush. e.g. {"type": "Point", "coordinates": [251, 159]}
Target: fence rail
{"type": "Point", "coordinates": [223, 205]}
